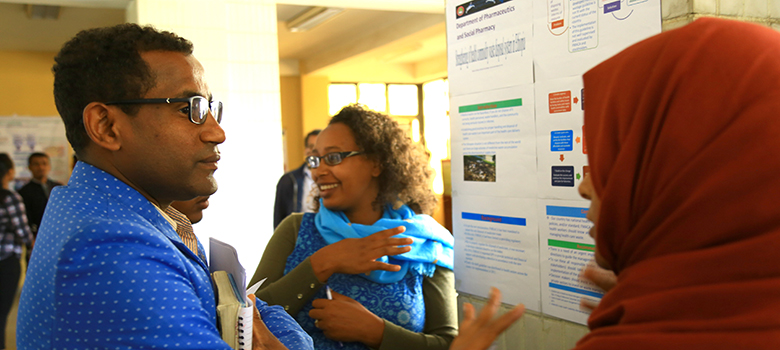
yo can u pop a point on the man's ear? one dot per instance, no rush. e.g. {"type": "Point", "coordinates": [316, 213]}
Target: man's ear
{"type": "Point", "coordinates": [101, 125]}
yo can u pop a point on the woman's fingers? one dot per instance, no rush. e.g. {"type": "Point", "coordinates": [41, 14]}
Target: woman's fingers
{"type": "Point", "coordinates": [490, 307]}
{"type": "Point", "coordinates": [399, 241]}
{"type": "Point", "coordinates": [385, 267]}
{"type": "Point", "coordinates": [588, 305]}
{"type": "Point", "coordinates": [468, 315]}
{"type": "Point", "coordinates": [387, 233]}
{"type": "Point", "coordinates": [507, 319]}
{"type": "Point", "coordinates": [604, 279]}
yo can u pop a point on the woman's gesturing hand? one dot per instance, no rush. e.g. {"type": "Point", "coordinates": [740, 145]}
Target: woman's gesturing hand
{"type": "Point", "coordinates": [602, 278]}
{"type": "Point", "coordinates": [344, 319]}
{"type": "Point", "coordinates": [478, 333]}
{"type": "Point", "coordinates": [358, 255]}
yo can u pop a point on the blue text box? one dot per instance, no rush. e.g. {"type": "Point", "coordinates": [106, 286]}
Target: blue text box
{"type": "Point", "coordinates": [571, 212]}
{"type": "Point", "coordinates": [561, 140]}
{"type": "Point", "coordinates": [576, 290]}
{"type": "Point", "coordinates": [494, 218]}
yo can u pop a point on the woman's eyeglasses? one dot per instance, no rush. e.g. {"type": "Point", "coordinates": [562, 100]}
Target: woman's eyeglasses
{"type": "Point", "coordinates": [333, 158]}
{"type": "Point", "coordinates": [198, 107]}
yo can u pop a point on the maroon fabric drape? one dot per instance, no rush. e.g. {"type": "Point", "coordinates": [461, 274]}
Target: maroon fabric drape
{"type": "Point", "coordinates": [683, 133]}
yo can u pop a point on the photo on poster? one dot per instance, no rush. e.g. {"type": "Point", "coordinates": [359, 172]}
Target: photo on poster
{"type": "Point", "coordinates": [493, 143]}
{"type": "Point", "coordinates": [565, 249]}
{"type": "Point", "coordinates": [572, 36]}
{"type": "Point", "coordinates": [560, 142]}
{"type": "Point", "coordinates": [496, 244]}
{"type": "Point", "coordinates": [488, 44]}
{"type": "Point", "coordinates": [481, 167]}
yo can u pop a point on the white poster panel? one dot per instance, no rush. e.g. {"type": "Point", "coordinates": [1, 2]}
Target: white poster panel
{"type": "Point", "coordinates": [566, 247]}
{"type": "Point", "coordinates": [561, 144]}
{"type": "Point", "coordinates": [572, 36]}
{"type": "Point", "coordinates": [21, 136]}
{"type": "Point", "coordinates": [488, 44]}
{"type": "Point", "coordinates": [493, 143]}
{"type": "Point", "coordinates": [496, 244]}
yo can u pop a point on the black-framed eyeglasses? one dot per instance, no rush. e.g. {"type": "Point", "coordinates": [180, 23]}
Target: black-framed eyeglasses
{"type": "Point", "coordinates": [198, 107]}
{"type": "Point", "coordinates": [333, 158]}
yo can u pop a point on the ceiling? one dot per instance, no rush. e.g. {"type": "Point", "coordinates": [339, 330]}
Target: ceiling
{"type": "Point", "coordinates": [359, 44]}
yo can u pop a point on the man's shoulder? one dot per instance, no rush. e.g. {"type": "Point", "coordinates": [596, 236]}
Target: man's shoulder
{"type": "Point", "coordinates": [297, 171]}
{"type": "Point", "coordinates": [291, 175]}
{"type": "Point", "coordinates": [51, 183]}
{"type": "Point", "coordinates": [28, 188]}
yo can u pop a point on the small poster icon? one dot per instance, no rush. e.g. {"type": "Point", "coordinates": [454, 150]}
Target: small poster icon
{"type": "Point", "coordinates": [461, 10]}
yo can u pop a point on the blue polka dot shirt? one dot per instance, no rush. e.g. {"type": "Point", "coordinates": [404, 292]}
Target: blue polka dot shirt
{"type": "Point", "coordinates": [109, 272]}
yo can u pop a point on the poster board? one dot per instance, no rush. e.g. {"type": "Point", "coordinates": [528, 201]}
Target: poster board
{"type": "Point", "coordinates": [21, 136]}
{"type": "Point", "coordinates": [518, 149]}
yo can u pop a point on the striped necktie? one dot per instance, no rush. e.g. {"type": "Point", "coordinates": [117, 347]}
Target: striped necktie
{"type": "Point", "coordinates": [184, 229]}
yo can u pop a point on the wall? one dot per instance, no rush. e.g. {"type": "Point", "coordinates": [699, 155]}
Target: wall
{"type": "Point", "coordinates": [314, 91]}
{"type": "Point", "coordinates": [27, 83]}
{"type": "Point", "coordinates": [677, 13]}
{"type": "Point", "coordinates": [536, 331]}
{"type": "Point", "coordinates": [292, 120]}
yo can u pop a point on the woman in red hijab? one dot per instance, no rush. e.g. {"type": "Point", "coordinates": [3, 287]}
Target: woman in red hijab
{"type": "Point", "coordinates": [683, 135]}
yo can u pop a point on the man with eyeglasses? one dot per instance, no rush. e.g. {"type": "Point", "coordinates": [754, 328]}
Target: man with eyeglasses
{"type": "Point", "coordinates": [113, 268]}
{"type": "Point", "coordinates": [295, 190]}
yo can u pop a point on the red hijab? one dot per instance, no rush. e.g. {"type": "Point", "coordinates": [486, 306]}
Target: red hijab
{"type": "Point", "coordinates": [683, 133]}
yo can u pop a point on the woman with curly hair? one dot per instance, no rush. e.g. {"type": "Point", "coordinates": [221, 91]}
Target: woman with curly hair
{"type": "Point", "coordinates": [370, 248]}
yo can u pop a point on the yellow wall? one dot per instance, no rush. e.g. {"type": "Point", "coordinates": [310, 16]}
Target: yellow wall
{"type": "Point", "coordinates": [290, 91]}
{"type": "Point", "coordinates": [314, 95]}
{"type": "Point", "coordinates": [27, 83]}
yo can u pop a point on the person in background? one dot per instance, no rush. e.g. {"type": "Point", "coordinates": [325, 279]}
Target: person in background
{"type": "Point", "coordinates": [14, 232]}
{"type": "Point", "coordinates": [374, 191]}
{"type": "Point", "coordinates": [36, 192]}
{"type": "Point", "coordinates": [295, 190]}
{"type": "Point", "coordinates": [193, 208]}
{"type": "Point", "coordinates": [112, 269]}
{"type": "Point", "coordinates": [682, 133]}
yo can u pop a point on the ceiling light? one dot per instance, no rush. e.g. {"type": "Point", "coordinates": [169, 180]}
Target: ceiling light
{"type": "Point", "coordinates": [42, 12]}
{"type": "Point", "coordinates": [312, 18]}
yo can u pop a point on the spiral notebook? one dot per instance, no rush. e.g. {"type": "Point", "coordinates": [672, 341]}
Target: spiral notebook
{"type": "Point", "coordinates": [234, 309]}
{"type": "Point", "coordinates": [234, 312]}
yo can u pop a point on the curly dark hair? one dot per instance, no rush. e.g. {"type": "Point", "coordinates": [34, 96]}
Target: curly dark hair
{"type": "Point", "coordinates": [406, 175]}
{"type": "Point", "coordinates": [105, 64]}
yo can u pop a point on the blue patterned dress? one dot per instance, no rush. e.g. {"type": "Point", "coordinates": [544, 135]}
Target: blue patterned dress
{"type": "Point", "coordinates": [400, 303]}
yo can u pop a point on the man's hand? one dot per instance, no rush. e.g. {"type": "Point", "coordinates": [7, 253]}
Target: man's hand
{"type": "Point", "coordinates": [262, 339]}
{"type": "Point", "coordinates": [344, 319]}
{"type": "Point", "coordinates": [478, 333]}
{"type": "Point", "coordinates": [602, 278]}
{"type": "Point", "coordinates": [358, 255]}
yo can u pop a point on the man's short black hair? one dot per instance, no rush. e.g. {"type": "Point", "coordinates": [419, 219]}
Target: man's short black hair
{"type": "Point", "coordinates": [314, 132]}
{"type": "Point", "coordinates": [105, 64]}
{"type": "Point", "coordinates": [36, 155]}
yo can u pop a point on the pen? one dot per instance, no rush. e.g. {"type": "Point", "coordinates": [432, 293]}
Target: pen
{"type": "Point", "coordinates": [330, 297]}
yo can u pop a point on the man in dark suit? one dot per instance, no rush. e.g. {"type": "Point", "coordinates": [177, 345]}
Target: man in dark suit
{"type": "Point", "coordinates": [36, 192]}
{"type": "Point", "coordinates": [293, 191]}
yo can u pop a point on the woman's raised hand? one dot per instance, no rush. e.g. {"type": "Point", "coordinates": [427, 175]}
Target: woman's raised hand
{"type": "Point", "coordinates": [358, 255]}
{"type": "Point", "coordinates": [479, 332]}
{"type": "Point", "coordinates": [602, 278]}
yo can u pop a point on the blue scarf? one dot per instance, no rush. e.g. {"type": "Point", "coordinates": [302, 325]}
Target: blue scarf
{"type": "Point", "coordinates": [433, 244]}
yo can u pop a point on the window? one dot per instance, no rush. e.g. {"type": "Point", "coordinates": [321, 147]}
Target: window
{"type": "Point", "coordinates": [340, 95]}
